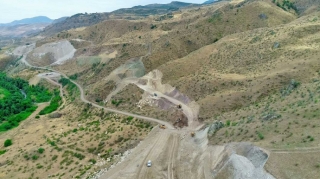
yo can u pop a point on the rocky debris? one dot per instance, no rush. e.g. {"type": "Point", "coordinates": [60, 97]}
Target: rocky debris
{"type": "Point", "coordinates": [146, 100]}
{"type": "Point", "coordinates": [55, 115]}
{"type": "Point", "coordinates": [276, 45]}
{"type": "Point", "coordinates": [244, 160]}
{"type": "Point", "coordinates": [292, 85]}
{"type": "Point", "coordinates": [179, 119]}
{"type": "Point", "coordinates": [101, 162]}
{"type": "Point", "coordinates": [263, 16]}
{"type": "Point", "coordinates": [214, 127]}
{"type": "Point", "coordinates": [239, 167]}
{"type": "Point", "coordinates": [270, 116]}
{"type": "Point", "coordinates": [58, 52]}
{"type": "Point", "coordinates": [256, 155]}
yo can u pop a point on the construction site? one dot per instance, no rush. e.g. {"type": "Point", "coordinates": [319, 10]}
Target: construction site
{"type": "Point", "coordinates": [221, 90]}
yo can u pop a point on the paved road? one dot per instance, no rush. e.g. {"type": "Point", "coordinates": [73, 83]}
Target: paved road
{"type": "Point", "coordinates": [82, 97]}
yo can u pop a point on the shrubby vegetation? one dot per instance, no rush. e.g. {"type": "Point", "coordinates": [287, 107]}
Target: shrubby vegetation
{"type": "Point", "coordinates": [285, 5]}
{"type": "Point", "coordinates": [74, 76]}
{"type": "Point", "coordinates": [7, 143]}
{"type": "Point", "coordinates": [54, 104]}
{"type": "Point", "coordinates": [116, 102]}
{"type": "Point", "coordinates": [41, 150]}
{"type": "Point", "coordinates": [2, 152]}
{"type": "Point", "coordinates": [17, 100]}
{"type": "Point", "coordinates": [71, 87]}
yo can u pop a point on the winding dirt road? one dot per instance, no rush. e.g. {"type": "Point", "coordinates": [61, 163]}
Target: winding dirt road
{"type": "Point", "coordinates": [174, 153]}
{"type": "Point", "coordinates": [48, 78]}
{"type": "Point", "coordinates": [83, 99]}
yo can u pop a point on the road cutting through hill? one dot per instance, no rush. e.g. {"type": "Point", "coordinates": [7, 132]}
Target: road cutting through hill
{"type": "Point", "coordinates": [176, 154]}
{"type": "Point", "coordinates": [25, 50]}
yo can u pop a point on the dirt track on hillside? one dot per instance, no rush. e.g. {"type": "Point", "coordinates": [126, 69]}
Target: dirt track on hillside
{"type": "Point", "coordinates": [175, 154]}
{"type": "Point", "coordinates": [48, 77]}
{"type": "Point", "coordinates": [82, 94]}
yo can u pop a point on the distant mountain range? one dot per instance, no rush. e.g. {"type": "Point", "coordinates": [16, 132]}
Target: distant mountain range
{"type": "Point", "coordinates": [210, 1]}
{"type": "Point", "coordinates": [33, 20]}
{"type": "Point", "coordinates": [26, 27]}
{"type": "Point", "coordinates": [49, 26]}
{"type": "Point", "coordinates": [136, 12]}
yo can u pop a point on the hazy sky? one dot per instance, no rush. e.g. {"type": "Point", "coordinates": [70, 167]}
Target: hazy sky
{"type": "Point", "coordinates": [18, 9]}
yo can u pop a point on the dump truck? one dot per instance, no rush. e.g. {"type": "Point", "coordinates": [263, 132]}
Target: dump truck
{"type": "Point", "coordinates": [162, 127]}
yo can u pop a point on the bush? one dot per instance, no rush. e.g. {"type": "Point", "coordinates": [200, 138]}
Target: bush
{"type": "Point", "coordinates": [74, 76]}
{"type": "Point", "coordinates": [79, 156]}
{"type": "Point", "coordinates": [3, 152]}
{"type": "Point", "coordinates": [41, 150]}
{"type": "Point", "coordinates": [153, 26]}
{"type": "Point", "coordinates": [260, 135]}
{"type": "Point", "coordinates": [228, 123]}
{"type": "Point", "coordinates": [116, 102]}
{"type": "Point", "coordinates": [35, 157]}
{"type": "Point", "coordinates": [93, 161]}
{"type": "Point", "coordinates": [54, 104]}
{"type": "Point", "coordinates": [54, 157]}
{"type": "Point", "coordinates": [7, 143]}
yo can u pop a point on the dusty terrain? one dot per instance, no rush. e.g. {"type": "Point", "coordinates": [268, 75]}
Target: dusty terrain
{"type": "Point", "coordinates": [243, 75]}
{"type": "Point", "coordinates": [22, 30]}
{"type": "Point", "coordinates": [52, 53]}
{"type": "Point", "coordinates": [188, 157]}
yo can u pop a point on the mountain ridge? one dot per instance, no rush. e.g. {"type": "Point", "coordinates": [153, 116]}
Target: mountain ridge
{"type": "Point", "coordinates": [32, 20]}
{"type": "Point", "coordinates": [135, 12]}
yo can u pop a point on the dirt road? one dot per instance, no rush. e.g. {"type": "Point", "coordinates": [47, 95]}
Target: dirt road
{"type": "Point", "coordinates": [48, 77]}
{"type": "Point", "coordinates": [160, 147]}
{"type": "Point", "coordinates": [82, 96]}
{"type": "Point", "coordinates": [175, 154]}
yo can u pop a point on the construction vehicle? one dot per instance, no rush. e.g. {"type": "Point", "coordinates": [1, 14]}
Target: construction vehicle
{"type": "Point", "coordinates": [179, 106]}
{"type": "Point", "coordinates": [162, 126]}
{"type": "Point", "coordinates": [193, 134]}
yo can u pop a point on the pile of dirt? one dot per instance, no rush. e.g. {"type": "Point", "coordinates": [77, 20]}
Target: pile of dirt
{"type": "Point", "coordinates": [55, 53]}
{"type": "Point", "coordinates": [234, 160]}
{"type": "Point", "coordinates": [179, 119]}
{"type": "Point", "coordinates": [245, 161]}
{"type": "Point", "coordinates": [19, 51]}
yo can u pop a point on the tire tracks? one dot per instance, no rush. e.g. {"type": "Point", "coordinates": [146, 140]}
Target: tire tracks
{"type": "Point", "coordinates": [145, 159]}
{"type": "Point", "coordinates": [172, 158]}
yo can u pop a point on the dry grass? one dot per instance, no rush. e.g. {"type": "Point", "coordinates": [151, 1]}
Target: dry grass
{"type": "Point", "coordinates": [89, 133]}
{"type": "Point", "coordinates": [229, 58]}
{"type": "Point", "coordinates": [294, 165]}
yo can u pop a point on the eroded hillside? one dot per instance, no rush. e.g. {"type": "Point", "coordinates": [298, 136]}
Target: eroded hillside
{"type": "Point", "coordinates": [232, 71]}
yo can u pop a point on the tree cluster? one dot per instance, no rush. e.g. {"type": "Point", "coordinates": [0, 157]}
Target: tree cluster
{"type": "Point", "coordinates": [18, 104]}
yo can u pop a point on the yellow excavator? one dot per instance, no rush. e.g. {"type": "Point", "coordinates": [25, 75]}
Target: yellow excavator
{"type": "Point", "coordinates": [162, 126]}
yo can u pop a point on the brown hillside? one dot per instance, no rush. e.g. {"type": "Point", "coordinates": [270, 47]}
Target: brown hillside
{"type": "Point", "coordinates": [175, 38]}
{"type": "Point", "coordinates": [244, 67]}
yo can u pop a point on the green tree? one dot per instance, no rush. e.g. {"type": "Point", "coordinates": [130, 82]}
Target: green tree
{"type": "Point", "coordinates": [8, 142]}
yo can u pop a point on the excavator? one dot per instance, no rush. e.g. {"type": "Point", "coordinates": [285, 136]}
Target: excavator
{"type": "Point", "coordinates": [162, 126]}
